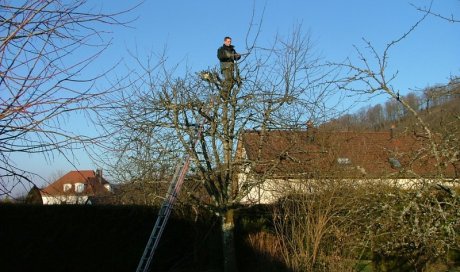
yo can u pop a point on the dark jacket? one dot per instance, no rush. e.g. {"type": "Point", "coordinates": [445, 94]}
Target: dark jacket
{"type": "Point", "coordinates": [227, 54]}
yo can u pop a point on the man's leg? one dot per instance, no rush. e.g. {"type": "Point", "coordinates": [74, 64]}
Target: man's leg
{"type": "Point", "coordinates": [228, 82]}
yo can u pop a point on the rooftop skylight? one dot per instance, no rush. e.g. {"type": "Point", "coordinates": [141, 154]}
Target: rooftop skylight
{"type": "Point", "coordinates": [394, 163]}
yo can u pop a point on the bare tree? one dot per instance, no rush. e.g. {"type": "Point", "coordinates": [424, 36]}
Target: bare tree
{"type": "Point", "coordinates": [280, 89]}
{"type": "Point", "coordinates": [372, 72]}
{"type": "Point", "coordinates": [440, 145]}
{"type": "Point", "coordinates": [41, 78]}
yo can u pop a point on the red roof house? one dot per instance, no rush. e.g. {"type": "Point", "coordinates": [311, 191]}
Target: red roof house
{"type": "Point", "coordinates": [274, 158]}
{"type": "Point", "coordinates": [76, 187]}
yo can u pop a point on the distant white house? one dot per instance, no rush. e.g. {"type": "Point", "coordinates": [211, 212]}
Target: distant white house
{"type": "Point", "coordinates": [76, 187]}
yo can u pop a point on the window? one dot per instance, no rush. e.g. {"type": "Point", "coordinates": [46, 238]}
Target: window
{"type": "Point", "coordinates": [107, 187]}
{"type": "Point", "coordinates": [343, 161]}
{"type": "Point", "coordinates": [67, 186]}
{"type": "Point", "coordinates": [79, 187]}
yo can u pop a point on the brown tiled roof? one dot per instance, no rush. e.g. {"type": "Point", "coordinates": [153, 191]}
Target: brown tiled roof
{"type": "Point", "coordinates": [93, 184]}
{"type": "Point", "coordinates": [338, 154]}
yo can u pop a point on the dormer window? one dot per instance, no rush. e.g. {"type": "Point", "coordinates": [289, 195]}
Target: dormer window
{"type": "Point", "coordinates": [79, 187]}
{"type": "Point", "coordinates": [343, 161]}
{"type": "Point", "coordinates": [67, 186]}
{"type": "Point", "coordinates": [107, 187]}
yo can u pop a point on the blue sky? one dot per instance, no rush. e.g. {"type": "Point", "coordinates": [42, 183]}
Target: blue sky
{"type": "Point", "coordinates": [193, 30]}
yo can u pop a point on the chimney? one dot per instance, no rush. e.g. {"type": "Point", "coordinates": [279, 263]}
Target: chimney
{"type": "Point", "coordinates": [311, 130]}
{"type": "Point", "coordinates": [99, 175]}
{"type": "Point", "coordinates": [392, 128]}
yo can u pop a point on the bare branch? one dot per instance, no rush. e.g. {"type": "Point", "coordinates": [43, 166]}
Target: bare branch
{"type": "Point", "coordinates": [41, 80]}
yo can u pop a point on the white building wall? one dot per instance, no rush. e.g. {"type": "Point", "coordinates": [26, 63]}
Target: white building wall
{"type": "Point", "coordinates": [56, 200]}
{"type": "Point", "coordinates": [271, 190]}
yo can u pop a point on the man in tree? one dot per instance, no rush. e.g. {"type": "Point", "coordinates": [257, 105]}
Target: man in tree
{"type": "Point", "coordinates": [227, 56]}
{"type": "Point", "coordinates": [163, 118]}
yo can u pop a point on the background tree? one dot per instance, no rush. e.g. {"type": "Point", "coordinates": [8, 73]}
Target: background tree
{"type": "Point", "coordinates": [41, 79]}
{"type": "Point", "coordinates": [413, 101]}
{"type": "Point", "coordinates": [436, 105]}
{"type": "Point", "coordinates": [376, 116]}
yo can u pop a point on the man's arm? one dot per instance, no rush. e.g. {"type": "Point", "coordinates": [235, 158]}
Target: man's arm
{"type": "Point", "coordinates": [226, 55]}
{"type": "Point", "coordinates": [219, 54]}
{"type": "Point", "coordinates": [236, 56]}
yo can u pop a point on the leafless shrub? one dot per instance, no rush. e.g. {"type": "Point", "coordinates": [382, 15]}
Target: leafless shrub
{"type": "Point", "coordinates": [317, 230]}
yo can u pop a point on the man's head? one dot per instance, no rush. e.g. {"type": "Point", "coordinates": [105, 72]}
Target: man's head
{"type": "Point", "coordinates": [227, 41]}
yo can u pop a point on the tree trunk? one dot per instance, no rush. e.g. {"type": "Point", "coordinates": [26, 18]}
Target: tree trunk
{"type": "Point", "coordinates": [228, 241]}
